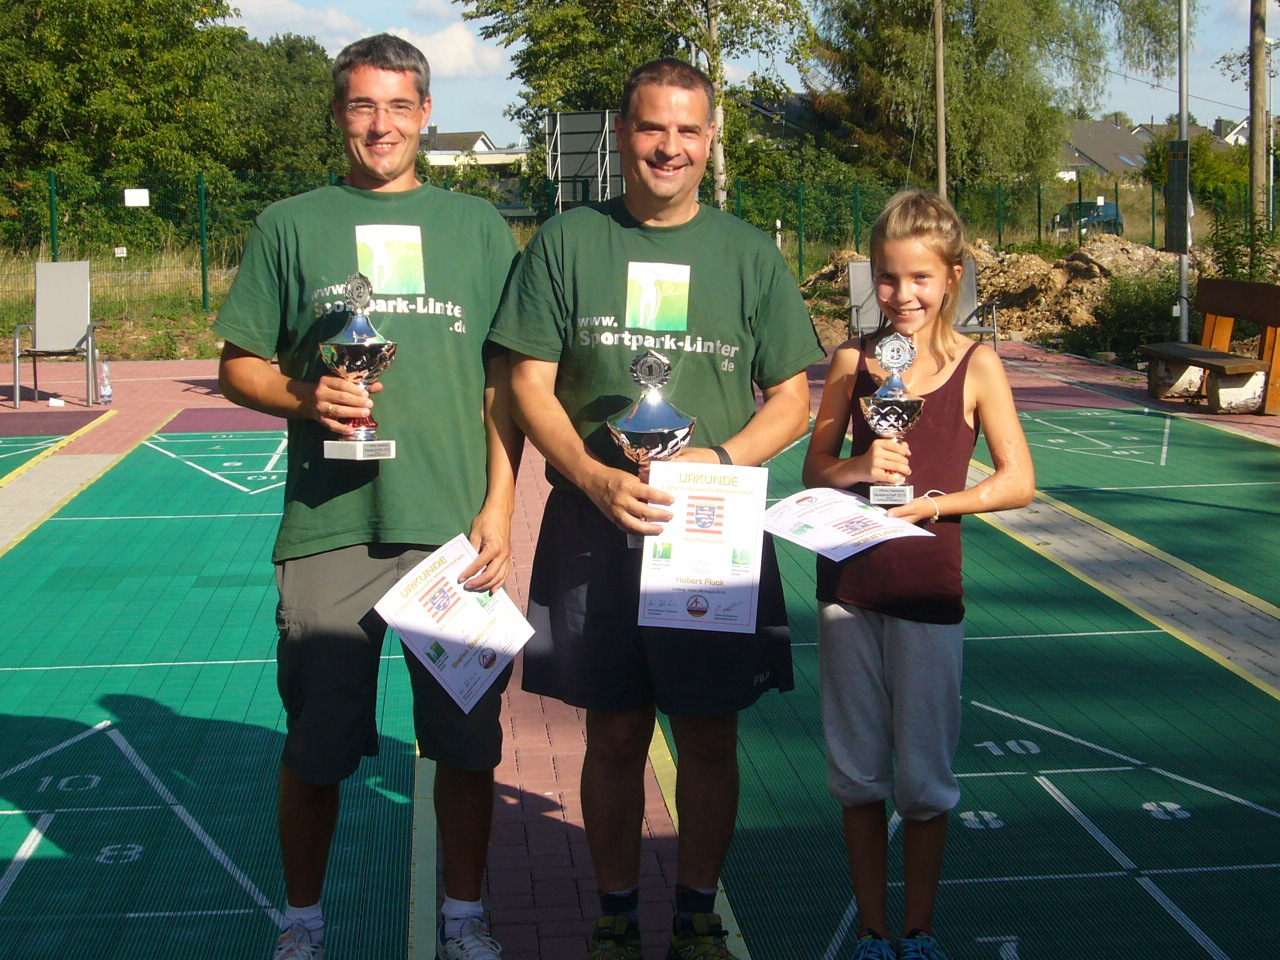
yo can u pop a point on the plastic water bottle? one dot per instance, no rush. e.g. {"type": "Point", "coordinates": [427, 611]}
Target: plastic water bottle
{"type": "Point", "coordinates": [104, 383]}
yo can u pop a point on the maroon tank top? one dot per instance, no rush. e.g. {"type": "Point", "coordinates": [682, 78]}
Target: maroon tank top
{"type": "Point", "coordinates": [913, 578]}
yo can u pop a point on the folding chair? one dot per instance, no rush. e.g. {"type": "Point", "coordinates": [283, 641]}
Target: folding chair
{"type": "Point", "coordinates": [972, 316]}
{"type": "Point", "coordinates": [62, 327]}
{"type": "Point", "coordinates": [865, 315]}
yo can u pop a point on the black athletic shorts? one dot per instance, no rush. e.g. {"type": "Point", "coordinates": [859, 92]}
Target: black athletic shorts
{"type": "Point", "coordinates": [589, 652]}
{"type": "Point", "coordinates": [328, 657]}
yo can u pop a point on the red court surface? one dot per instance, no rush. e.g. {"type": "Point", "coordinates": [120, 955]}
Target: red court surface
{"type": "Point", "coordinates": [541, 892]}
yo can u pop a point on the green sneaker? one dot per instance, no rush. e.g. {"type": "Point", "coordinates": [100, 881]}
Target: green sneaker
{"type": "Point", "coordinates": [705, 940]}
{"type": "Point", "coordinates": [615, 937]}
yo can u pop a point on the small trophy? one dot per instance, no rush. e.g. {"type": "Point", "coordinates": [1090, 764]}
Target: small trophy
{"type": "Point", "coordinates": [653, 429]}
{"type": "Point", "coordinates": [360, 354]}
{"type": "Point", "coordinates": [891, 411]}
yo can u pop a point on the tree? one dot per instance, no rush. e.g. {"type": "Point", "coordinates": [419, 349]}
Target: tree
{"type": "Point", "coordinates": [95, 84]}
{"type": "Point", "coordinates": [1215, 171]}
{"type": "Point", "coordinates": [1013, 69]}
{"type": "Point", "coordinates": [282, 93]}
{"type": "Point", "coordinates": [582, 50]}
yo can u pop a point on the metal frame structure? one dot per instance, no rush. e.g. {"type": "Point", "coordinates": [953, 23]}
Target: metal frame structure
{"type": "Point", "coordinates": [582, 157]}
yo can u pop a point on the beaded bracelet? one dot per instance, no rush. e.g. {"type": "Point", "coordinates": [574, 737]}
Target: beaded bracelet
{"type": "Point", "coordinates": [937, 511]}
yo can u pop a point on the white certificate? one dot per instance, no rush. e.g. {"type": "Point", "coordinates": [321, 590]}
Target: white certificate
{"type": "Point", "coordinates": [464, 638]}
{"type": "Point", "coordinates": [703, 570]}
{"type": "Point", "coordinates": [835, 523]}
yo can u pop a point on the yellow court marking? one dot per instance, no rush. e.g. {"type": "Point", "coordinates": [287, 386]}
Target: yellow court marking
{"type": "Point", "coordinates": [422, 863]}
{"type": "Point", "coordinates": [664, 768]}
{"type": "Point", "coordinates": [50, 451]}
{"type": "Point", "coordinates": [1128, 604]}
{"type": "Point", "coordinates": [1191, 570]}
{"type": "Point", "coordinates": [87, 483]}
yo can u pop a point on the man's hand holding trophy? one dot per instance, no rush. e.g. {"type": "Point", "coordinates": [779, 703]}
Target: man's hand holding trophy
{"type": "Point", "coordinates": [359, 354]}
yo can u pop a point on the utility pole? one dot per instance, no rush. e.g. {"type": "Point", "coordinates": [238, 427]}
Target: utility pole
{"type": "Point", "coordinates": [1257, 112]}
{"type": "Point", "coordinates": [1184, 134]}
{"type": "Point", "coordinates": [940, 97]}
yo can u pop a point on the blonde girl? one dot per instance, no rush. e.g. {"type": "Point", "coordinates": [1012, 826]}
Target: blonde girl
{"type": "Point", "coordinates": [891, 625]}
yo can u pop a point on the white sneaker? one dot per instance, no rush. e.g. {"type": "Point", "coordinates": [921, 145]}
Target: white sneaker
{"type": "Point", "coordinates": [295, 944]}
{"type": "Point", "coordinates": [473, 944]}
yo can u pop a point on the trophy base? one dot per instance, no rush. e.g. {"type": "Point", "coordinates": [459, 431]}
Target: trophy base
{"type": "Point", "coordinates": [359, 449]}
{"type": "Point", "coordinates": [891, 494]}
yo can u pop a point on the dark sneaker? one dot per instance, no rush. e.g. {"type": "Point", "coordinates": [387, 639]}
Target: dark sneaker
{"type": "Point", "coordinates": [615, 937]}
{"type": "Point", "coordinates": [871, 947]}
{"type": "Point", "coordinates": [920, 946]}
{"type": "Point", "coordinates": [703, 940]}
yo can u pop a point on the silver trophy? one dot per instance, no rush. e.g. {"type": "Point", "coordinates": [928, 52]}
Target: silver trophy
{"type": "Point", "coordinates": [360, 354]}
{"type": "Point", "coordinates": [653, 429]}
{"type": "Point", "coordinates": [891, 411]}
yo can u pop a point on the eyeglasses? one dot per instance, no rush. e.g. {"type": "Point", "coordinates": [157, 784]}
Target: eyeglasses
{"type": "Point", "coordinates": [364, 110]}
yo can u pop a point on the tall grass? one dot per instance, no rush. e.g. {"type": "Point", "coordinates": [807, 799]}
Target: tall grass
{"type": "Point", "coordinates": [148, 303]}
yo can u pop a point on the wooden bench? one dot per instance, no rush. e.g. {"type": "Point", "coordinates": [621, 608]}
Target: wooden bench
{"type": "Point", "coordinates": [1232, 383]}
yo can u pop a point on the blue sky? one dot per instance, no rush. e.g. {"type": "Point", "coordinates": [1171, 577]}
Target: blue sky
{"type": "Point", "coordinates": [471, 88]}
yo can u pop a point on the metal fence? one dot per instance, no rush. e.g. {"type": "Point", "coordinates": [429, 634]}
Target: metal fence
{"type": "Point", "coordinates": [811, 220]}
{"type": "Point", "coordinates": [164, 243]}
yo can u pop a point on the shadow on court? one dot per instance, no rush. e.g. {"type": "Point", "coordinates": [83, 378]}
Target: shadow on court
{"type": "Point", "coordinates": [153, 833]}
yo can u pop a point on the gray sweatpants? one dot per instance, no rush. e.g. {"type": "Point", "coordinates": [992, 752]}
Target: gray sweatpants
{"type": "Point", "coordinates": [890, 688]}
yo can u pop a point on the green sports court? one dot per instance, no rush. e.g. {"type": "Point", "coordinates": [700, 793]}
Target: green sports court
{"type": "Point", "coordinates": [1122, 793]}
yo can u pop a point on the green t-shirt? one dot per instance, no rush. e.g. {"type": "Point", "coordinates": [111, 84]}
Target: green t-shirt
{"type": "Point", "coordinates": [595, 288]}
{"type": "Point", "coordinates": [438, 262]}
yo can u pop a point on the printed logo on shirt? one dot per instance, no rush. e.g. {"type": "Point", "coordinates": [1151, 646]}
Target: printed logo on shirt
{"type": "Point", "coordinates": [657, 296]}
{"type": "Point", "coordinates": [390, 255]}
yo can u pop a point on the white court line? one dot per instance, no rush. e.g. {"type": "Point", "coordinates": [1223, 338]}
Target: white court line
{"type": "Point", "coordinates": [1164, 446]}
{"type": "Point", "coordinates": [140, 915]}
{"type": "Point", "coordinates": [1068, 636]}
{"type": "Point", "coordinates": [1059, 733]}
{"type": "Point", "coordinates": [1219, 793]}
{"type": "Point", "coordinates": [280, 452]}
{"type": "Point", "coordinates": [1028, 773]}
{"type": "Point", "coordinates": [1146, 883]}
{"type": "Point", "coordinates": [174, 516]}
{"type": "Point", "coordinates": [962, 881]}
{"type": "Point", "coordinates": [1107, 453]}
{"type": "Point", "coordinates": [52, 750]}
{"type": "Point", "coordinates": [1181, 486]}
{"type": "Point", "coordinates": [1043, 636]}
{"type": "Point", "coordinates": [850, 916]}
{"type": "Point", "coordinates": [1225, 869]}
{"type": "Point", "coordinates": [1182, 919]}
{"type": "Point", "coordinates": [196, 466]}
{"type": "Point", "coordinates": [205, 438]}
{"type": "Point", "coordinates": [135, 666]}
{"type": "Point", "coordinates": [1078, 815]}
{"type": "Point", "coordinates": [209, 843]}
{"type": "Point", "coordinates": [25, 853]}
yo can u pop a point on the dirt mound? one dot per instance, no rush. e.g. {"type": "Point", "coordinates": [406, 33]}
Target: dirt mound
{"type": "Point", "coordinates": [1037, 298]}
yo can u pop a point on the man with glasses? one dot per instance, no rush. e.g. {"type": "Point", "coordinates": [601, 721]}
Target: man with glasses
{"type": "Point", "coordinates": [438, 262]}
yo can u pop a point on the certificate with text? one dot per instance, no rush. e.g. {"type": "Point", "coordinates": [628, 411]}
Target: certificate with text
{"type": "Point", "coordinates": [465, 639]}
{"type": "Point", "coordinates": [703, 570]}
{"type": "Point", "coordinates": [835, 523]}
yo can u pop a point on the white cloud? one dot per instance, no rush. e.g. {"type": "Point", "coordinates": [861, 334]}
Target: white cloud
{"type": "Point", "coordinates": [332, 28]}
{"type": "Point", "coordinates": [433, 9]}
{"type": "Point", "coordinates": [456, 52]}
